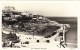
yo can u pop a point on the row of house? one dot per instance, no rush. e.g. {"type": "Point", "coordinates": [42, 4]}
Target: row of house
{"type": "Point", "coordinates": [13, 13]}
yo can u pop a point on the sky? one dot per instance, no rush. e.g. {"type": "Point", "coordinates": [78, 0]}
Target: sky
{"type": "Point", "coordinates": [54, 8]}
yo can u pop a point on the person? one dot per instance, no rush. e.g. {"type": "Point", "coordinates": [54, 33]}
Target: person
{"type": "Point", "coordinates": [10, 44]}
{"type": "Point", "coordinates": [38, 41]}
{"type": "Point", "coordinates": [4, 44]}
{"type": "Point", "coordinates": [61, 44]}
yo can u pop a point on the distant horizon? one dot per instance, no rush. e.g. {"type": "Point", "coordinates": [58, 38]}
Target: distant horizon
{"type": "Point", "coordinates": [62, 16]}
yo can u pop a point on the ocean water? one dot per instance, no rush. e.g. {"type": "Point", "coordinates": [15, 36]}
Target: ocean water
{"type": "Point", "coordinates": [71, 35]}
